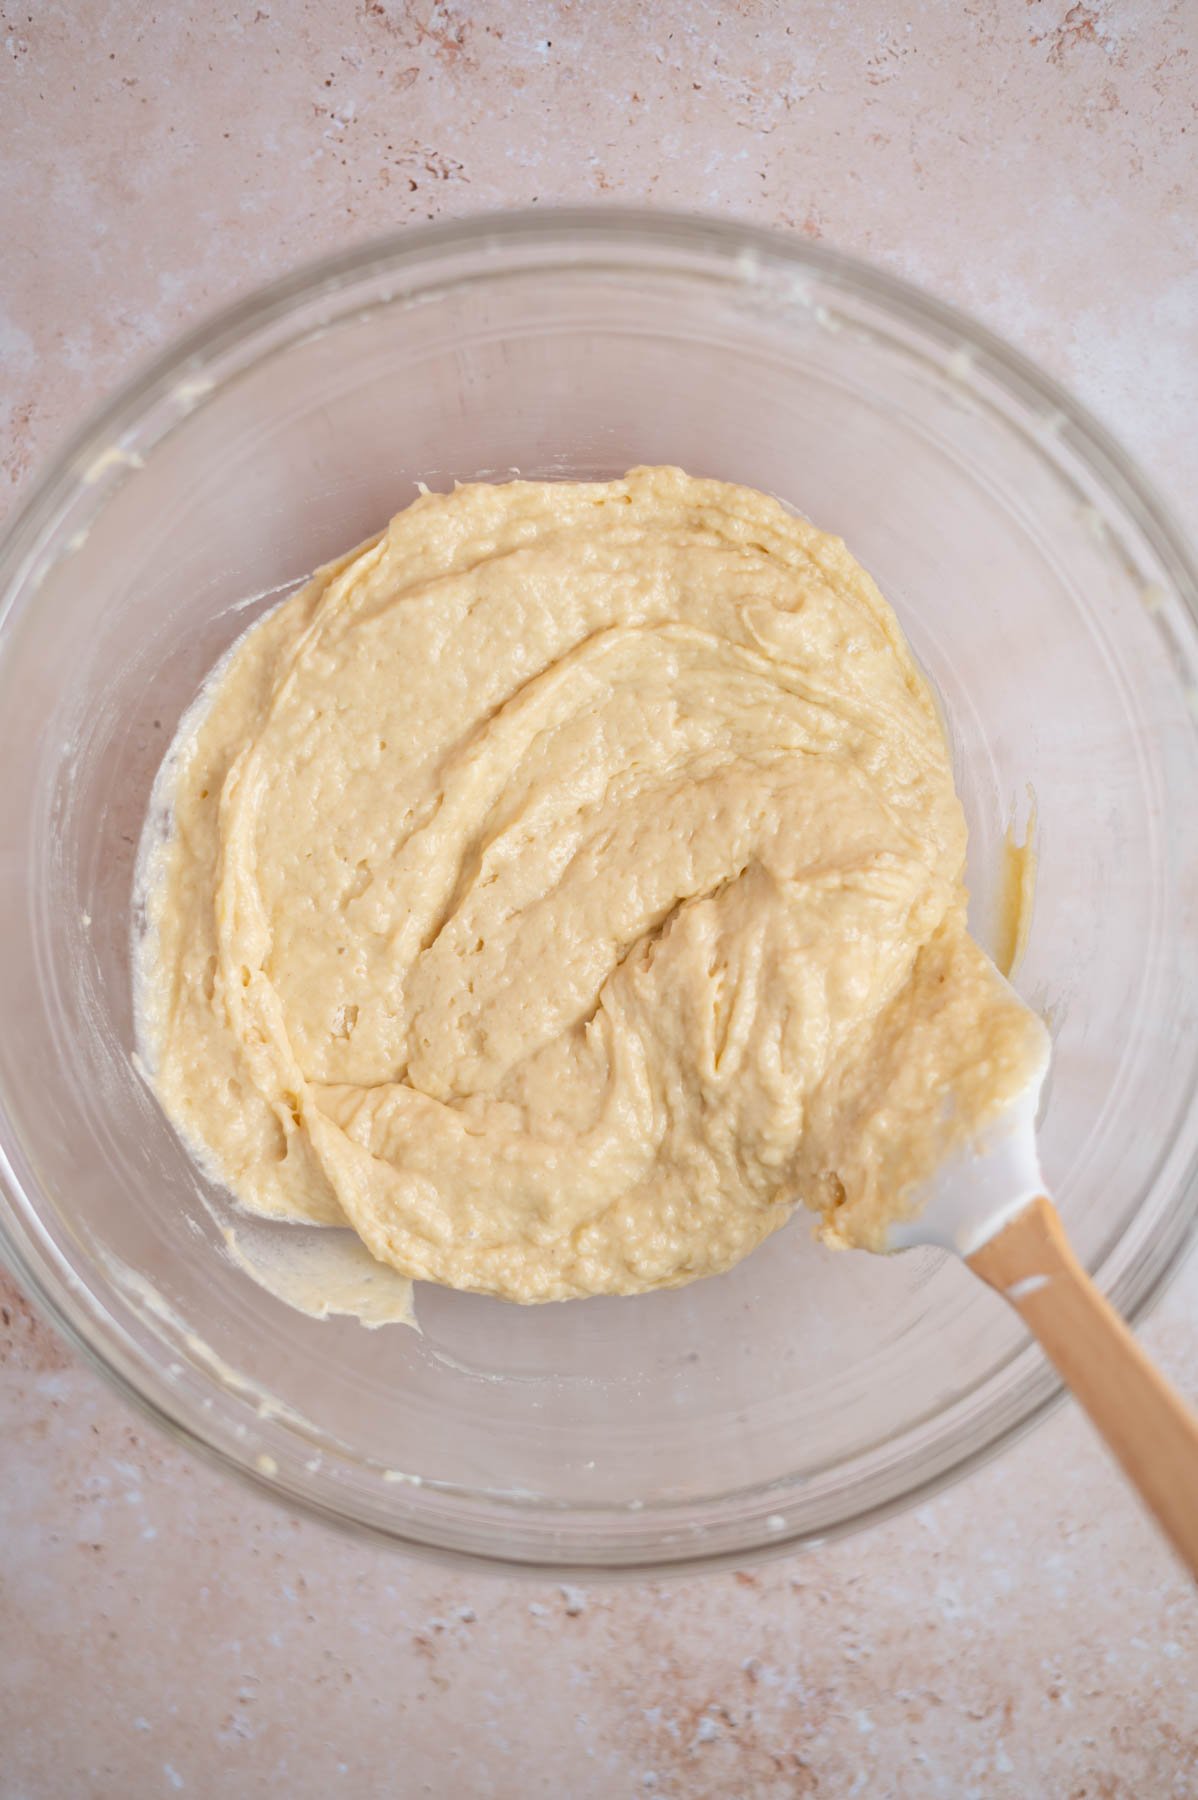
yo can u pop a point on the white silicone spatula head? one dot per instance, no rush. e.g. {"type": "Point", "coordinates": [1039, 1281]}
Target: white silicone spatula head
{"type": "Point", "coordinates": [984, 1184]}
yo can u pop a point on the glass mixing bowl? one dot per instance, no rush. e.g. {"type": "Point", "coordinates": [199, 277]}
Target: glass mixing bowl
{"type": "Point", "coordinates": [1050, 600]}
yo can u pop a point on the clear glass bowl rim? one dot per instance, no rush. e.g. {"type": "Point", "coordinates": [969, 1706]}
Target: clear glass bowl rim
{"type": "Point", "coordinates": [568, 231]}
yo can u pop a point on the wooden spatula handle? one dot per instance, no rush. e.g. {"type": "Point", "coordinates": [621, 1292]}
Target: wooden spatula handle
{"type": "Point", "coordinates": [1147, 1424]}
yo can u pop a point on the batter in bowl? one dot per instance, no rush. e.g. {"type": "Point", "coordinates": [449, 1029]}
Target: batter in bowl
{"type": "Point", "coordinates": [564, 886]}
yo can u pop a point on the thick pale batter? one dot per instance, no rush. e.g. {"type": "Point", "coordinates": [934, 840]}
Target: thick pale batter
{"type": "Point", "coordinates": [566, 884]}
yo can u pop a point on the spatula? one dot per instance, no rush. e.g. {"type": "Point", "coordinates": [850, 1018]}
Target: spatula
{"type": "Point", "coordinates": [990, 1206]}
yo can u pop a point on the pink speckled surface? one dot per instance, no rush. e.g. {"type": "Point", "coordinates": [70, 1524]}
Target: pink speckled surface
{"type": "Point", "coordinates": [1025, 1634]}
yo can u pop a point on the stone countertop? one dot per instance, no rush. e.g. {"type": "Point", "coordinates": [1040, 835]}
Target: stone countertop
{"type": "Point", "coordinates": [165, 1631]}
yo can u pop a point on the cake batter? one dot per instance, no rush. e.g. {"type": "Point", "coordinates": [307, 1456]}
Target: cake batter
{"type": "Point", "coordinates": [565, 885]}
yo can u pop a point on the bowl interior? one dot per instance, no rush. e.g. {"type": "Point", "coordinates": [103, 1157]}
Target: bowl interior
{"type": "Point", "coordinates": [806, 1389]}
